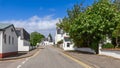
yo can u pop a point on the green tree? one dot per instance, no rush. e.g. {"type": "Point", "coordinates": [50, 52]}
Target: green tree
{"type": "Point", "coordinates": [92, 24]}
{"type": "Point", "coordinates": [35, 38]}
{"type": "Point", "coordinates": [66, 22]}
{"type": "Point", "coordinates": [97, 22]}
{"type": "Point", "coordinates": [116, 34]}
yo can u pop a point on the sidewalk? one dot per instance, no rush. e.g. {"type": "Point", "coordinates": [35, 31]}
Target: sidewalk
{"type": "Point", "coordinates": [22, 55]}
{"type": "Point", "coordinates": [96, 61]}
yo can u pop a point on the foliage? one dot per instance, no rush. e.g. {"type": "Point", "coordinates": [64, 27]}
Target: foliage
{"type": "Point", "coordinates": [35, 38]}
{"type": "Point", "coordinates": [116, 34]}
{"type": "Point", "coordinates": [94, 46]}
{"type": "Point", "coordinates": [60, 42]}
{"type": "Point", "coordinates": [108, 45]}
{"type": "Point", "coordinates": [91, 24]}
{"type": "Point", "coordinates": [67, 21]}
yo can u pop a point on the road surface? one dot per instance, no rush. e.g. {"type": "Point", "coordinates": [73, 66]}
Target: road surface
{"type": "Point", "coordinates": [48, 57]}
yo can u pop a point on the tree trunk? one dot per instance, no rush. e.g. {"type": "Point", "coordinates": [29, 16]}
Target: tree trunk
{"type": "Point", "coordinates": [97, 50]}
{"type": "Point", "coordinates": [117, 44]}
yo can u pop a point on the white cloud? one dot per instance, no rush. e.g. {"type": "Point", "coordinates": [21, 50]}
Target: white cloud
{"type": "Point", "coordinates": [35, 23]}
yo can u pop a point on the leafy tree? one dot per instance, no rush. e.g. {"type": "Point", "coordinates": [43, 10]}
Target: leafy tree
{"type": "Point", "coordinates": [117, 2]}
{"type": "Point", "coordinates": [97, 22]}
{"type": "Point", "coordinates": [116, 34]}
{"type": "Point", "coordinates": [66, 22]}
{"type": "Point", "coordinates": [35, 38]}
{"type": "Point", "coordinates": [92, 24]}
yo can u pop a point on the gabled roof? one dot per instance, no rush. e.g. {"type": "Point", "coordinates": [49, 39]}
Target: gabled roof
{"type": "Point", "coordinates": [4, 25]}
{"type": "Point", "coordinates": [23, 33]}
{"type": "Point", "coordinates": [45, 39]}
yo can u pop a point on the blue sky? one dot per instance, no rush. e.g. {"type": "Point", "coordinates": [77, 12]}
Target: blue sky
{"type": "Point", "coordinates": [22, 12]}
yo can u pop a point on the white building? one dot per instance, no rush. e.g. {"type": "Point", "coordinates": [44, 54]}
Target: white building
{"type": "Point", "coordinates": [61, 36]}
{"type": "Point", "coordinates": [23, 39]}
{"type": "Point", "coordinates": [48, 40]}
{"type": "Point", "coordinates": [67, 43]}
{"type": "Point", "coordinates": [8, 40]}
{"type": "Point", "coordinates": [58, 35]}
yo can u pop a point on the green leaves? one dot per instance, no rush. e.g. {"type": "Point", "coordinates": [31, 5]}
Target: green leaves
{"type": "Point", "coordinates": [35, 38]}
{"type": "Point", "coordinates": [91, 24]}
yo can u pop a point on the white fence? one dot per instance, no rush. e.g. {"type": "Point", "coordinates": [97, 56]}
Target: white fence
{"type": "Point", "coordinates": [115, 54]}
{"type": "Point", "coordinates": [82, 49]}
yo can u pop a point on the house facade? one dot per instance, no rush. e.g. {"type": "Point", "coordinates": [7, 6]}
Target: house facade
{"type": "Point", "coordinates": [8, 40]}
{"type": "Point", "coordinates": [23, 39]}
{"type": "Point", "coordinates": [67, 43]}
{"type": "Point", "coordinates": [58, 35]}
{"type": "Point", "coordinates": [61, 36]}
{"type": "Point", "coordinates": [47, 41]}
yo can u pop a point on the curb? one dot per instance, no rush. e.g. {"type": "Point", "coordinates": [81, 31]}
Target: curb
{"type": "Point", "coordinates": [16, 58]}
{"type": "Point", "coordinates": [109, 56]}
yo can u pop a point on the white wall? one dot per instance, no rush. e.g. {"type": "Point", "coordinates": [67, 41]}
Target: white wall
{"type": "Point", "coordinates": [110, 53]}
{"type": "Point", "coordinates": [58, 38]}
{"type": "Point", "coordinates": [10, 47]}
{"type": "Point", "coordinates": [1, 36]}
{"type": "Point", "coordinates": [51, 43]}
{"type": "Point", "coordinates": [86, 50]}
{"type": "Point", "coordinates": [71, 47]}
{"type": "Point", "coordinates": [23, 45]}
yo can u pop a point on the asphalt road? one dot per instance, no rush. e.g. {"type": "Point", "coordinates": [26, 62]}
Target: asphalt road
{"type": "Point", "coordinates": [48, 57]}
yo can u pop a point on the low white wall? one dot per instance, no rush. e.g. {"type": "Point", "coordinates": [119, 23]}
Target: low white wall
{"type": "Point", "coordinates": [86, 50]}
{"type": "Point", "coordinates": [1, 43]}
{"type": "Point", "coordinates": [112, 54]}
{"type": "Point", "coordinates": [81, 49]}
{"type": "Point", "coordinates": [23, 45]}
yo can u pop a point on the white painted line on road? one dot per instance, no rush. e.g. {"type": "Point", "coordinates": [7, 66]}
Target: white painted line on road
{"type": "Point", "coordinates": [23, 62]}
{"type": "Point", "coordinates": [18, 66]}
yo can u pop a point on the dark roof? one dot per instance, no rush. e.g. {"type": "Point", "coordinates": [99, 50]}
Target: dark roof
{"type": "Point", "coordinates": [23, 33]}
{"type": "Point", "coordinates": [67, 38]}
{"type": "Point", "coordinates": [45, 39]}
{"type": "Point", "coordinates": [4, 25]}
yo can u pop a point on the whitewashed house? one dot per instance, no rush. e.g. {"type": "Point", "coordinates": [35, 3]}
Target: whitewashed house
{"type": "Point", "coordinates": [47, 41]}
{"type": "Point", "coordinates": [58, 35]}
{"type": "Point", "coordinates": [8, 40]}
{"type": "Point", "coordinates": [67, 43]}
{"type": "Point", "coordinates": [61, 36]}
{"type": "Point", "coordinates": [23, 39]}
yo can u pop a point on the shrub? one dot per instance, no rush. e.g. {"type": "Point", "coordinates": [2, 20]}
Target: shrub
{"type": "Point", "coordinates": [94, 46]}
{"type": "Point", "coordinates": [108, 45]}
{"type": "Point", "coordinates": [60, 42]}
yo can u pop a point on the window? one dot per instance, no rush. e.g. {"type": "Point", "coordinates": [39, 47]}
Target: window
{"type": "Point", "coordinates": [66, 39]}
{"type": "Point", "coordinates": [9, 39]}
{"type": "Point", "coordinates": [5, 38]}
{"type": "Point", "coordinates": [12, 40]}
{"type": "Point", "coordinates": [68, 44]}
{"type": "Point", "coordinates": [12, 30]}
{"type": "Point", "coordinates": [58, 31]}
